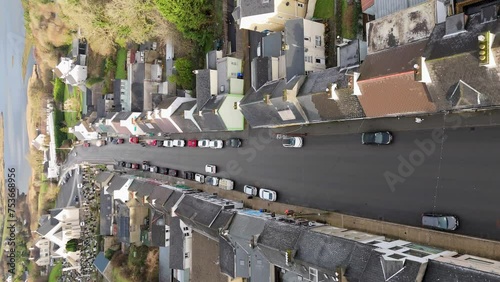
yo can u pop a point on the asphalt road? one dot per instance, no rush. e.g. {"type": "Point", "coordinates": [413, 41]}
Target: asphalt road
{"type": "Point", "coordinates": [459, 176]}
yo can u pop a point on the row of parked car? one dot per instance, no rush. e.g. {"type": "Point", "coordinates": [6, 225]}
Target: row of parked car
{"type": "Point", "coordinates": [193, 143]}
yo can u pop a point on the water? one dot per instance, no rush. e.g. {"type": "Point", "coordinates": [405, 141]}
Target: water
{"type": "Point", "coordinates": [13, 96]}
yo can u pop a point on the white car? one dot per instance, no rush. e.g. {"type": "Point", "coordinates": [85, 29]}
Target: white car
{"type": "Point", "coordinates": [168, 143]}
{"type": "Point", "coordinates": [153, 168]}
{"type": "Point", "coordinates": [226, 184]}
{"type": "Point", "coordinates": [292, 142]}
{"type": "Point", "coordinates": [79, 186]}
{"type": "Point", "coordinates": [204, 143]}
{"type": "Point", "coordinates": [216, 144]}
{"type": "Point", "coordinates": [210, 168]}
{"type": "Point", "coordinates": [179, 143]}
{"type": "Point", "coordinates": [199, 178]}
{"type": "Point", "coordinates": [267, 194]}
{"type": "Point", "coordinates": [250, 190]}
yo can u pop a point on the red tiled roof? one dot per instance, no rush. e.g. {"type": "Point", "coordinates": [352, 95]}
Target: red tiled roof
{"type": "Point", "coordinates": [394, 95]}
{"type": "Point", "coordinates": [365, 4]}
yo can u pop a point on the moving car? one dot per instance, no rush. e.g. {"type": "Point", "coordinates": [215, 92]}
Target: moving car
{"type": "Point", "coordinates": [216, 144]}
{"type": "Point", "coordinates": [233, 142]}
{"type": "Point", "coordinates": [440, 221]}
{"type": "Point", "coordinates": [376, 138]}
{"type": "Point", "coordinates": [267, 194]}
{"type": "Point", "coordinates": [226, 184]}
{"type": "Point", "coordinates": [204, 143]}
{"type": "Point", "coordinates": [199, 178]}
{"type": "Point", "coordinates": [172, 172]}
{"type": "Point", "coordinates": [193, 143]}
{"type": "Point", "coordinates": [168, 143]}
{"type": "Point", "coordinates": [145, 165]}
{"type": "Point", "coordinates": [210, 168]}
{"type": "Point", "coordinates": [189, 175]}
{"type": "Point", "coordinates": [212, 180]}
{"type": "Point", "coordinates": [250, 190]}
{"type": "Point", "coordinates": [134, 140]}
{"type": "Point", "coordinates": [292, 142]}
{"type": "Point", "coordinates": [179, 143]}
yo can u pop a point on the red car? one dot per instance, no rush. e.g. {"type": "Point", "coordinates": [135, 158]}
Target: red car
{"type": "Point", "coordinates": [193, 143]}
{"type": "Point", "coordinates": [86, 144]}
{"type": "Point", "coordinates": [152, 142]}
{"type": "Point", "coordinates": [134, 140]}
{"type": "Point", "coordinates": [135, 166]}
{"type": "Point", "coordinates": [120, 141]}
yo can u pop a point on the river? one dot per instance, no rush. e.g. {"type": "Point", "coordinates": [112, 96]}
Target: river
{"type": "Point", "coordinates": [13, 91]}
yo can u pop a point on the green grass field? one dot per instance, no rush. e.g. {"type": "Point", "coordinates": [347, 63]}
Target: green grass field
{"type": "Point", "coordinates": [324, 9]}
{"type": "Point", "coordinates": [121, 61]}
{"type": "Point", "coordinates": [56, 272]}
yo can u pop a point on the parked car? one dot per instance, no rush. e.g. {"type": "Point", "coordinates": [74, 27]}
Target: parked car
{"type": "Point", "coordinates": [226, 184]}
{"type": "Point", "coordinates": [128, 165]}
{"type": "Point", "coordinates": [152, 142]}
{"type": "Point", "coordinates": [199, 178]}
{"type": "Point", "coordinates": [179, 143]}
{"type": "Point", "coordinates": [440, 221]}
{"type": "Point", "coordinates": [163, 170]}
{"type": "Point", "coordinates": [77, 199]}
{"type": "Point", "coordinates": [250, 190]}
{"type": "Point", "coordinates": [376, 138]}
{"type": "Point", "coordinates": [134, 140]}
{"type": "Point", "coordinates": [204, 143]}
{"type": "Point", "coordinates": [233, 142]}
{"type": "Point", "coordinates": [216, 144]}
{"type": "Point", "coordinates": [100, 143]}
{"type": "Point", "coordinates": [212, 180]}
{"type": "Point", "coordinates": [122, 164]}
{"type": "Point", "coordinates": [110, 139]}
{"type": "Point", "coordinates": [86, 144]}
{"type": "Point", "coordinates": [134, 166]}
{"type": "Point", "coordinates": [189, 175]}
{"type": "Point", "coordinates": [210, 168]}
{"type": "Point", "coordinates": [145, 165]}
{"type": "Point", "coordinates": [153, 168]}
{"type": "Point", "coordinates": [172, 172]}
{"type": "Point", "coordinates": [193, 143]}
{"type": "Point", "coordinates": [159, 143]}
{"type": "Point", "coordinates": [168, 143]}
{"type": "Point", "coordinates": [292, 142]}
{"type": "Point", "coordinates": [267, 194]}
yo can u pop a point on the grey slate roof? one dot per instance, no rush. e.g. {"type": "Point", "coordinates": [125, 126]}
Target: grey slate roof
{"type": "Point", "coordinates": [164, 263]}
{"type": "Point", "coordinates": [117, 94]}
{"type": "Point", "coordinates": [252, 7]}
{"type": "Point", "coordinates": [271, 45]}
{"type": "Point", "coordinates": [116, 184]}
{"type": "Point", "coordinates": [294, 56]}
{"type": "Point", "coordinates": [158, 235]}
{"type": "Point", "coordinates": [212, 60]}
{"type": "Point", "coordinates": [103, 176]}
{"type": "Point", "coordinates": [145, 189]}
{"type": "Point", "coordinates": [105, 214]}
{"type": "Point", "coordinates": [226, 257]}
{"type": "Point", "coordinates": [186, 125]}
{"type": "Point", "coordinates": [176, 244]}
{"type": "Point", "coordinates": [211, 120]}
{"type": "Point", "coordinates": [276, 239]}
{"type": "Point", "coordinates": [444, 272]}
{"type": "Point", "coordinates": [137, 86]}
{"type": "Point", "coordinates": [202, 87]}
{"type": "Point", "coordinates": [46, 227]}
{"type": "Point", "coordinates": [101, 107]}
{"type": "Point", "coordinates": [172, 200]}
{"type": "Point", "coordinates": [261, 71]}
{"type": "Point", "coordinates": [349, 54]}
{"type": "Point", "coordinates": [159, 195]}
{"type": "Point", "coordinates": [101, 262]}
{"type": "Point", "coordinates": [123, 222]}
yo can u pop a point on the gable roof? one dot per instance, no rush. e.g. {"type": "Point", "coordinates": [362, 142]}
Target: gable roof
{"type": "Point", "coordinates": [159, 196]}
{"type": "Point", "coordinates": [252, 7]}
{"type": "Point", "coordinates": [176, 244]}
{"type": "Point", "coordinates": [261, 71]}
{"type": "Point", "coordinates": [158, 235]}
{"type": "Point", "coordinates": [116, 183]}
{"type": "Point", "coordinates": [101, 262]}
{"type": "Point", "coordinates": [123, 223]}
{"type": "Point", "coordinates": [202, 87]}
{"type": "Point", "coordinates": [294, 56]}
{"type": "Point", "coordinates": [105, 214]}
{"type": "Point", "coordinates": [226, 257]}
{"type": "Point", "coordinates": [171, 201]}
{"type": "Point", "coordinates": [209, 117]}
{"type": "Point", "coordinates": [104, 176]}
{"type": "Point", "coordinates": [186, 125]}
{"type": "Point", "coordinates": [445, 272]}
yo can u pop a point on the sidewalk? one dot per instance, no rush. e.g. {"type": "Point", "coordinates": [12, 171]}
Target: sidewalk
{"type": "Point", "coordinates": [448, 241]}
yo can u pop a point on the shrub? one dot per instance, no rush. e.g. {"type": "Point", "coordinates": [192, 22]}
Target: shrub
{"type": "Point", "coordinates": [184, 76]}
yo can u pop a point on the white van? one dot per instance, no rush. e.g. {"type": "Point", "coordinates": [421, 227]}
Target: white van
{"type": "Point", "coordinates": [226, 184]}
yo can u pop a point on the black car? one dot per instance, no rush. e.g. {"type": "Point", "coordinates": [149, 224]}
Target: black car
{"type": "Point", "coordinates": [159, 143]}
{"type": "Point", "coordinates": [233, 142]}
{"type": "Point", "coordinates": [172, 172]}
{"type": "Point", "coordinates": [376, 138]}
{"type": "Point", "coordinates": [163, 170]}
{"type": "Point", "coordinates": [123, 164]}
{"type": "Point", "coordinates": [440, 221]}
{"type": "Point", "coordinates": [189, 175]}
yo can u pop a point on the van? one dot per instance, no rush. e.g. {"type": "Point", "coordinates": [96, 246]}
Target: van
{"type": "Point", "coordinates": [226, 184]}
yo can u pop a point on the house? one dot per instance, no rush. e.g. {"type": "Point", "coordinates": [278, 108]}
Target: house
{"type": "Point", "coordinates": [39, 142]}
{"type": "Point", "coordinates": [382, 8]}
{"type": "Point", "coordinates": [122, 99]}
{"type": "Point", "coordinates": [180, 245]}
{"type": "Point", "coordinates": [328, 95]}
{"type": "Point", "coordinates": [274, 104]}
{"type": "Point", "coordinates": [268, 15]}
{"type": "Point", "coordinates": [183, 117]}
{"type": "Point", "coordinates": [70, 72]}
{"type": "Point", "coordinates": [220, 113]}
{"type": "Point", "coordinates": [130, 218]}
{"type": "Point", "coordinates": [116, 123]}
{"type": "Point", "coordinates": [211, 59]}
{"type": "Point", "coordinates": [229, 79]}
{"type": "Point", "coordinates": [105, 214]}
{"type": "Point", "coordinates": [351, 53]}
{"type": "Point", "coordinates": [104, 124]}
{"type": "Point", "coordinates": [40, 252]}
{"type": "Point", "coordinates": [141, 190]}
{"type": "Point", "coordinates": [387, 84]}
{"type": "Point", "coordinates": [455, 77]}
{"type": "Point", "coordinates": [118, 188]}
{"type": "Point", "coordinates": [144, 80]}
{"type": "Point", "coordinates": [84, 131]}
{"type": "Point", "coordinates": [265, 69]}
{"type": "Point", "coordinates": [104, 267]}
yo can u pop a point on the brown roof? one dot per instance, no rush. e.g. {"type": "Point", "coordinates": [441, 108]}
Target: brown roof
{"type": "Point", "coordinates": [393, 95]}
{"type": "Point", "coordinates": [365, 4]}
{"type": "Point", "coordinates": [396, 60]}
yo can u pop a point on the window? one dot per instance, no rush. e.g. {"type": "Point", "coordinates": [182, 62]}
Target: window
{"type": "Point", "coordinates": [313, 274]}
{"type": "Point", "coordinates": [318, 61]}
{"type": "Point", "coordinates": [234, 63]}
{"type": "Point", "coordinates": [186, 255]}
{"type": "Point", "coordinates": [308, 59]}
{"type": "Point", "coordinates": [300, 5]}
{"type": "Point", "coordinates": [318, 40]}
{"type": "Point", "coordinates": [307, 38]}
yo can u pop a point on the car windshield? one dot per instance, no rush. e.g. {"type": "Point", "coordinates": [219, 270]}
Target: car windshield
{"type": "Point", "coordinates": [289, 141]}
{"type": "Point", "coordinates": [267, 195]}
{"type": "Point", "coordinates": [442, 222]}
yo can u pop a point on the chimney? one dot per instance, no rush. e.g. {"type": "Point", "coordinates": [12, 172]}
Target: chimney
{"type": "Point", "coordinates": [331, 90]}
{"type": "Point", "coordinates": [267, 99]}
{"type": "Point", "coordinates": [353, 83]}
{"type": "Point", "coordinates": [484, 41]}
{"type": "Point", "coordinates": [285, 96]}
{"type": "Point", "coordinates": [420, 71]}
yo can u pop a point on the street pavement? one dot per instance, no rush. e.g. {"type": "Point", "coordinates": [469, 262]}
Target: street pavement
{"type": "Point", "coordinates": [422, 171]}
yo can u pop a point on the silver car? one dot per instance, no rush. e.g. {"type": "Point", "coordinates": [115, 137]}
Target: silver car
{"type": "Point", "coordinates": [216, 144]}
{"type": "Point", "coordinates": [440, 221]}
{"type": "Point", "coordinates": [250, 190]}
{"type": "Point", "coordinates": [267, 194]}
{"type": "Point", "coordinates": [292, 142]}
